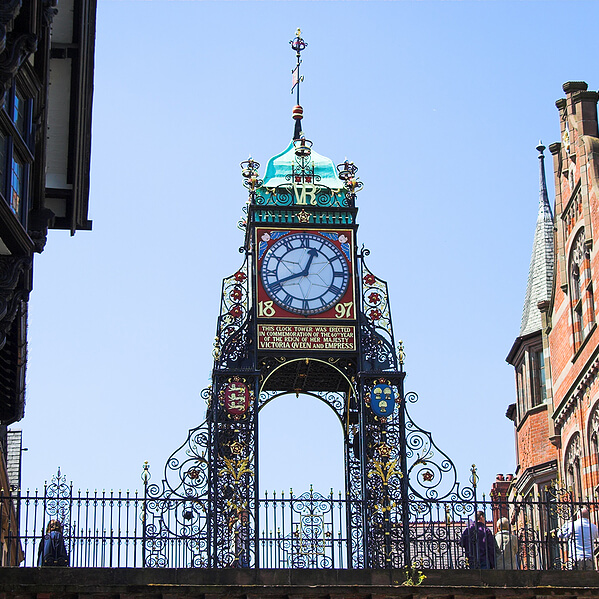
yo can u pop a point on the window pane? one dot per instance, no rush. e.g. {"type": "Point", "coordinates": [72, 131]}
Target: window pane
{"type": "Point", "coordinates": [20, 114]}
{"type": "Point", "coordinates": [541, 365]}
{"type": "Point", "coordinates": [3, 163]}
{"type": "Point", "coordinates": [17, 186]}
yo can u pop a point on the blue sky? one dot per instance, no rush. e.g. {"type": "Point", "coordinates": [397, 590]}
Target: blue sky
{"type": "Point", "coordinates": [439, 104]}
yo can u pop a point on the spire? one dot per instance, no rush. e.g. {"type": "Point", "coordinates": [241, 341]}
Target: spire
{"type": "Point", "coordinates": [540, 273]}
{"type": "Point", "coordinates": [297, 44]}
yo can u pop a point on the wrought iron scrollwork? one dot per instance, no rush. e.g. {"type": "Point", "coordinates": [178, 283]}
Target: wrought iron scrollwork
{"type": "Point", "coordinates": [347, 173]}
{"type": "Point", "coordinates": [431, 473]}
{"type": "Point", "coordinates": [251, 179]}
{"type": "Point", "coordinates": [176, 511]}
{"type": "Point", "coordinates": [378, 351]}
{"type": "Point", "coordinates": [58, 498]}
{"type": "Point", "coordinates": [285, 195]}
{"type": "Point", "coordinates": [233, 471]}
{"type": "Point", "coordinates": [336, 400]}
{"type": "Point", "coordinates": [231, 345]}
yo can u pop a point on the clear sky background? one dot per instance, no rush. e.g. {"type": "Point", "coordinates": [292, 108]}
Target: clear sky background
{"type": "Point", "coordinates": [439, 104]}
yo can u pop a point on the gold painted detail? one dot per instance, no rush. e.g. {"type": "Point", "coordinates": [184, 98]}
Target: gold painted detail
{"type": "Point", "coordinates": [236, 468]}
{"type": "Point", "coordinates": [401, 355]}
{"type": "Point", "coordinates": [303, 216]}
{"type": "Point", "coordinates": [385, 470]}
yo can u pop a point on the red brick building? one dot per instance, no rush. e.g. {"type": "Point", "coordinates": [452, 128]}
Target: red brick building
{"type": "Point", "coordinates": [556, 355]}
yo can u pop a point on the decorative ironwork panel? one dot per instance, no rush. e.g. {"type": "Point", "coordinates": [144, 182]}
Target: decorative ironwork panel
{"type": "Point", "coordinates": [335, 400]}
{"type": "Point", "coordinates": [377, 342]}
{"type": "Point", "coordinates": [303, 532]}
{"type": "Point", "coordinates": [176, 511]}
{"type": "Point", "coordinates": [285, 217]}
{"type": "Point", "coordinates": [354, 485]}
{"type": "Point", "coordinates": [233, 486]}
{"type": "Point", "coordinates": [306, 194]}
{"type": "Point", "coordinates": [431, 473]}
{"type": "Point", "coordinates": [59, 495]}
{"type": "Point", "coordinates": [231, 346]}
{"type": "Point", "coordinates": [382, 438]}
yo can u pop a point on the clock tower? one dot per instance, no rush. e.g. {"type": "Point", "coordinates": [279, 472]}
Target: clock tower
{"type": "Point", "coordinates": [303, 315]}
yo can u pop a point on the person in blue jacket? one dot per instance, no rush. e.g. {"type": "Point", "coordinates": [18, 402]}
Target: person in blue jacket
{"type": "Point", "coordinates": [52, 551]}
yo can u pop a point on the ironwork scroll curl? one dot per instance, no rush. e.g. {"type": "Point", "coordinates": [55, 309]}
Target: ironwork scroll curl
{"type": "Point", "coordinates": [432, 476]}
{"type": "Point", "coordinates": [177, 508]}
{"type": "Point", "coordinates": [378, 347]}
{"type": "Point", "coordinates": [285, 195]}
{"type": "Point", "coordinates": [59, 495]}
{"type": "Point", "coordinates": [232, 333]}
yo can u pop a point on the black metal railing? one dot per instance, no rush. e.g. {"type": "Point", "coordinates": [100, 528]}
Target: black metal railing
{"type": "Point", "coordinates": [117, 529]}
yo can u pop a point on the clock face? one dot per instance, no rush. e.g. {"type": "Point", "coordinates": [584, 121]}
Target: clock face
{"type": "Point", "coordinates": [304, 273]}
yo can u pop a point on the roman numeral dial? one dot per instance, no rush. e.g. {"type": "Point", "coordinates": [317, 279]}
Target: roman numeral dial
{"type": "Point", "coordinates": [305, 273]}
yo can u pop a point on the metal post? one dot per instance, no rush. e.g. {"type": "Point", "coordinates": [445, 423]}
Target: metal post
{"type": "Point", "coordinates": [256, 478]}
{"type": "Point", "coordinates": [145, 476]}
{"type": "Point", "coordinates": [213, 479]}
{"type": "Point", "coordinates": [404, 485]}
{"type": "Point", "coordinates": [368, 561]}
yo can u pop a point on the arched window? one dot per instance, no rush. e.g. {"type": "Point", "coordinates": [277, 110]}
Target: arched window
{"type": "Point", "coordinates": [572, 467]}
{"type": "Point", "coordinates": [581, 289]}
{"type": "Point", "coordinates": [594, 442]}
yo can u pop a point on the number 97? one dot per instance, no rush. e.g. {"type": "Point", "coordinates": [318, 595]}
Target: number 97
{"type": "Point", "coordinates": [343, 310]}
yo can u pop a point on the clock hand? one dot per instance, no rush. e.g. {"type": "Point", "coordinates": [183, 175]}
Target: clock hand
{"type": "Point", "coordinates": [313, 253]}
{"type": "Point", "coordinates": [297, 274]}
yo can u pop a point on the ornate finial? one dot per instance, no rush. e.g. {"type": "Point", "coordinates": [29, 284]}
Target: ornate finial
{"type": "Point", "coordinates": [540, 148]}
{"type": "Point", "coordinates": [401, 355]}
{"type": "Point", "coordinates": [249, 171]}
{"type": "Point", "coordinates": [347, 173]}
{"type": "Point", "coordinates": [303, 147]}
{"type": "Point", "coordinates": [145, 475]}
{"type": "Point", "coordinates": [473, 476]}
{"type": "Point", "coordinates": [544, 197]}
{"type": "Point", "coordinates": [297, 44]}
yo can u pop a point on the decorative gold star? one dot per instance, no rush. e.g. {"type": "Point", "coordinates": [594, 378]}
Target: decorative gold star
{"type": "Point", "coordinates": [384, 450]}
{"type": "Point", "coordinates": [236, 447]}
{"type": "Point", "coordinates": [303, 216]}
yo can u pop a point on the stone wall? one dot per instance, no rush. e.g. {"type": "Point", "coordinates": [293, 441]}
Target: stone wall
{"type": "Point", "coordinates": [124, 583]}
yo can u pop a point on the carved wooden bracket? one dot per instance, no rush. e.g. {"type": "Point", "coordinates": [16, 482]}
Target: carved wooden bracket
{"type": "Point", "coordinates": [14, 287]}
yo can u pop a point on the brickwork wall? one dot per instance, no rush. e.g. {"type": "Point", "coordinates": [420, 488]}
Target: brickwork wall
{"type": "Point", "coordinates": [75, 583]}
{"type": "Point", "coordinates": [533, 434]}
{"type": "Point", "coordinates": [573, 353]}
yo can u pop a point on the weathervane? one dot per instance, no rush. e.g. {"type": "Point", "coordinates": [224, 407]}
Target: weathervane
{"type": "Point", "coordinates": [297, 44]}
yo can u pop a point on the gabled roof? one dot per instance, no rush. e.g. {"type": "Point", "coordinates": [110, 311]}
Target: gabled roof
{"type": "Point", "coordinates": [540, 273]}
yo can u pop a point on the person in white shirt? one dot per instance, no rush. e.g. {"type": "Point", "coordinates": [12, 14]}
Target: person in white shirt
{"type": "Point", "coordinates": [582, 534]}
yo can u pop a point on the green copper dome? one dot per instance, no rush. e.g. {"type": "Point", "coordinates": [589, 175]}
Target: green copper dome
{"type": "Point", "coordinates": [279, 166]}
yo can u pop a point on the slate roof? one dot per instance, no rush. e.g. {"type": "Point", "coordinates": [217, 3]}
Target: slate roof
{"type": "Point", "coordinates": [13, 458]}
{"type": "Point", "coordinates": [540, 273]}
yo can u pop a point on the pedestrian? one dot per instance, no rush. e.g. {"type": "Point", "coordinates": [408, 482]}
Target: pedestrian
{"type": "Point", "coordinates": [506, 557]}
{"type": "Point", "coordinates": [582, 535]}
{"type": "Point", "coordinates": [479, 544]}
{"type": "Point", "coordinates": [52, 551]}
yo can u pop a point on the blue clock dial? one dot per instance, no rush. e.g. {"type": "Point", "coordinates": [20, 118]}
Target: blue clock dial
{"type": "Point", "coordinates": [305, 273]}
